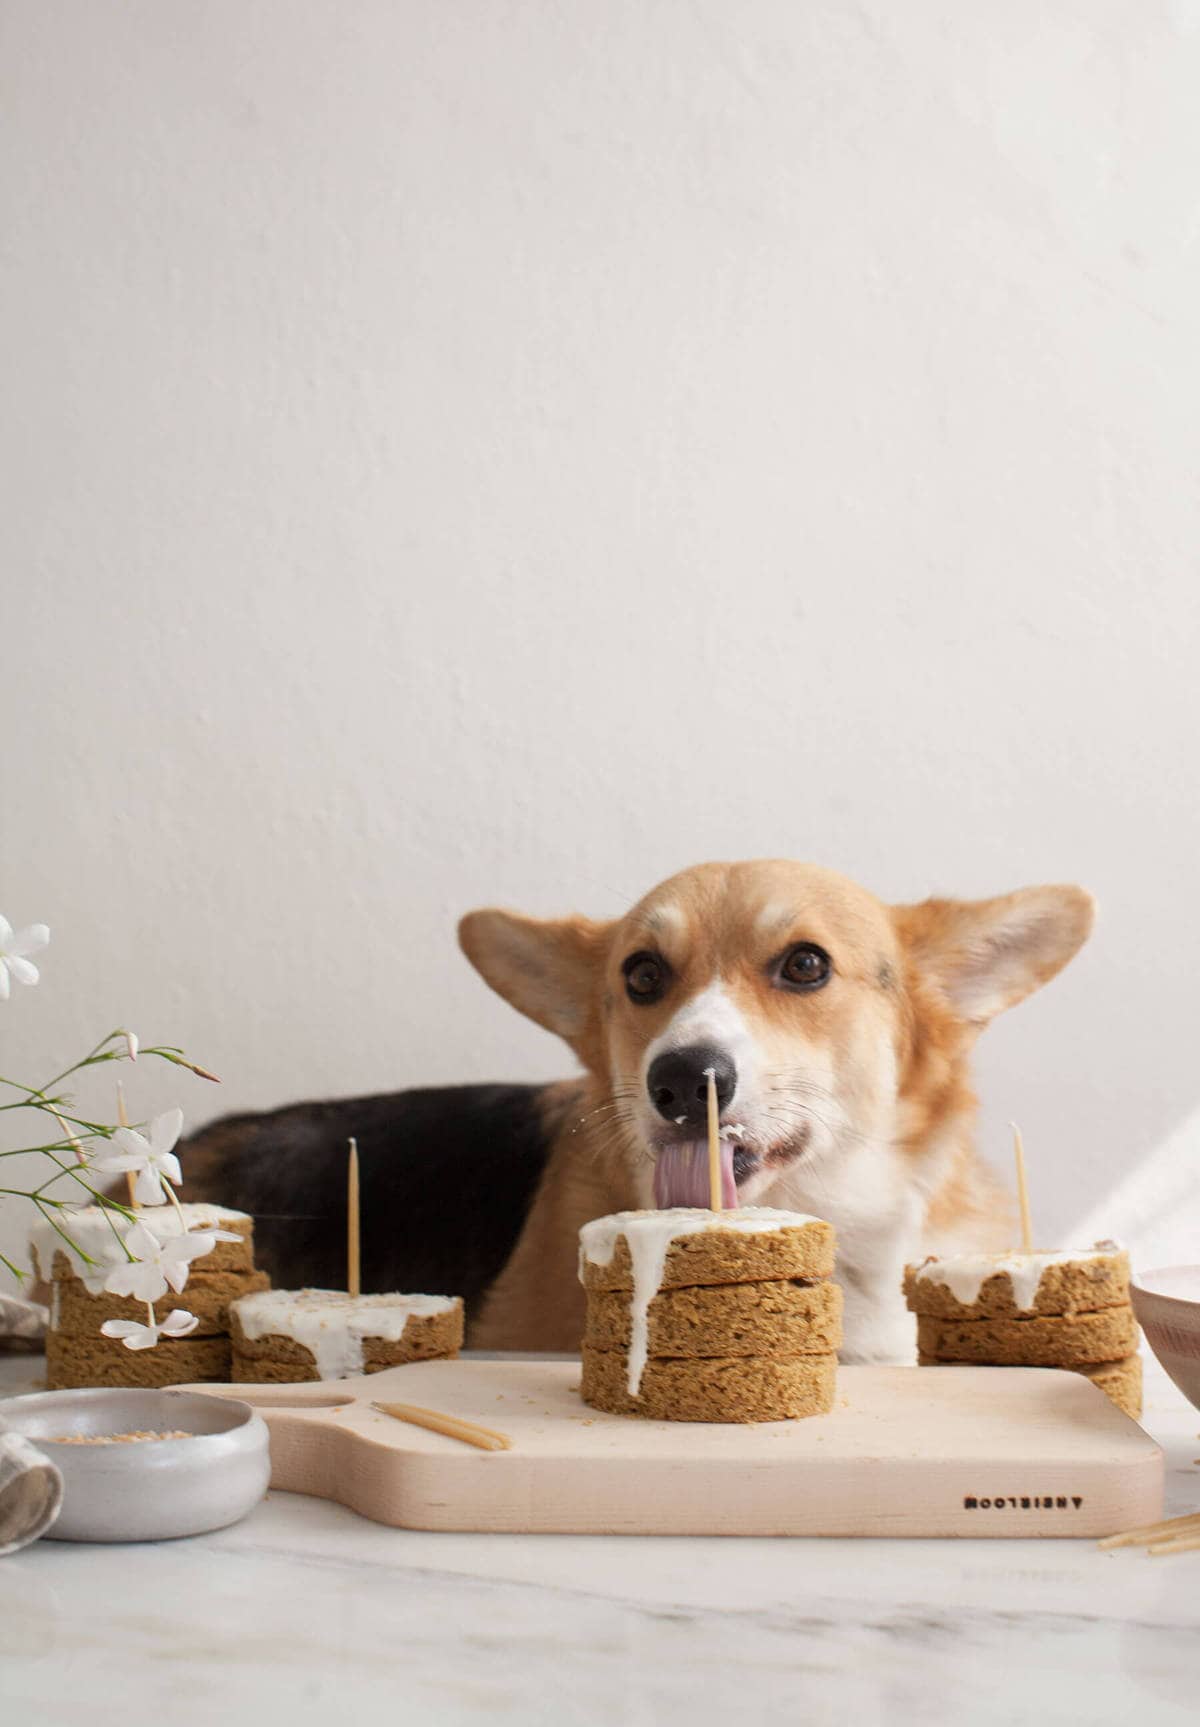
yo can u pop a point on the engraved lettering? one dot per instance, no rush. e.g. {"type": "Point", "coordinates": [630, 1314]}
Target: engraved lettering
{"type": "Point", "coordinates": [1024, 1502]}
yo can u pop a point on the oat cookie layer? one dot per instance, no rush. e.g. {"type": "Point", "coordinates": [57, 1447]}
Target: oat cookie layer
{"type": "Point", "coordinates": [1069, 1286]}
{"type": "Point", "coordinates": [1044, 1341]}
{"type": "Point", "coordinates": [791, 1318]}
{"type": "Point", "coordinates": [275, 1358]}
{"type": "Point", "coordinates": [719, 1256]}
{"type": "Point", "coordinates": [207, 1295]}
{"type": "Point", "coordinates": [78, 1361]}
{"type": "Point", "coordinates": [1121, 1380]}
{"type": "Point", "coordinates": [731, 1388]}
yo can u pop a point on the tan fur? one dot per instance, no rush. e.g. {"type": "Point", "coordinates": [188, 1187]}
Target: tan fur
{"type": "Point", "coordinates": [860, 1102]}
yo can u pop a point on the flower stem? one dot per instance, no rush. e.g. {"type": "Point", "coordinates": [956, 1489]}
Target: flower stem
{"type": "Point", "coordinates": [42, 1205]}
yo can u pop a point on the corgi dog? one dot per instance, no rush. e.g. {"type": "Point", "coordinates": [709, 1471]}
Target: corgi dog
{"type": "Point", "coordinates": [838, 1031]}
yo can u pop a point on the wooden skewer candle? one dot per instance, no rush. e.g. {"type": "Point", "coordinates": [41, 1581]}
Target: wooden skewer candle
{"type": "Point", "coordinates": [1022, 1191]}
{"type": "Point", "coordinates": [72, 1139]}
{"type": "Point", "coordinates": [1162, 1548]}
{"type": "Point", "coordinates": [337, 1334]}
{"type": "Point", "coordinates": [1166, 1537]}
{"type": "Point", "coordinates": [353, 1262]}
{"type": "Point", "coordinates": [485, 1438]}
{"type": "Point", "coordinates": [714, 1142]}
{"type": "Point", "coordinates": [130, 1178]}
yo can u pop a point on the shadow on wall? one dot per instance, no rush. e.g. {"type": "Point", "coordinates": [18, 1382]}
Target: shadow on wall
{"type": "Point", "coordinates": [1155, 1211]}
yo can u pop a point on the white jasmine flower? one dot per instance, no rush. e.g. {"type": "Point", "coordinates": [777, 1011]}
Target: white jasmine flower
{"type": "Point", "coordinates": [152, 1157]}
{"type": "Point", "coordinates": [15, 949]}
{"type": "Point", "coordinates": [135, 1336]}
{"type": "Point", "coordinates": [158, 1264]}
{"type": "Point", "coordinates": [131, 1045]}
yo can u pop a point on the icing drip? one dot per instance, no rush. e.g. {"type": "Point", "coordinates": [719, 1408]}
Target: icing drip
{"type": "Point", "coordinates": [965, 1275]}
{"type": "Point", "coordinates": [332, 1325]}
{"type": "Point", "coordinates": [100, 1234]}
{"type": "Point", "coordinates": [648, 1235]}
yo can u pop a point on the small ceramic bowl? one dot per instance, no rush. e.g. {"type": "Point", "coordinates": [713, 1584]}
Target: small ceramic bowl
{"type": "Point", "coordinates": [150, 1489]}
{"type": "Point", "coordinates": [1167, 1304]}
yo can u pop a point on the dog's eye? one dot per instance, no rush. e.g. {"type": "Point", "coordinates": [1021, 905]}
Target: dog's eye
{"type": "Point", "coordinates": [805, 966]}
{"type": "Point", "coordinates": [646, 977]}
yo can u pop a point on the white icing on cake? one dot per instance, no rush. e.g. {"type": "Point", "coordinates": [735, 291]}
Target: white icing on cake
{"type": "Point", "coordinates": [333, 1325]}
{"type": "Point", "coordinates": [100, 1234]}
{"type": "Point", "coordinates": [649, 1235]}
{"type": "Point", "coordinates": [965, 1274]}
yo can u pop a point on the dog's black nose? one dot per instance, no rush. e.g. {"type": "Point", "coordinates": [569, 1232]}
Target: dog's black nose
{"type": "Point", "coordinates": [678, 1084]}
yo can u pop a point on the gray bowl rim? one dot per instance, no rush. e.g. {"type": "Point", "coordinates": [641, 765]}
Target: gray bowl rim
{"type": "Point", "coordinates": [11, 1407]}
{"type": "Point", "coordinates": [1181, 1301]}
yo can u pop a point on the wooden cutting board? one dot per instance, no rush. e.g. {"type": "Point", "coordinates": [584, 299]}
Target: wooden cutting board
{"type": "Point", "coordinates": [968, 1451]}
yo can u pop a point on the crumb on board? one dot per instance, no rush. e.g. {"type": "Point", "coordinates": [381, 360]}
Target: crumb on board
{"type": "Point", "coordinates": [113, 1438]}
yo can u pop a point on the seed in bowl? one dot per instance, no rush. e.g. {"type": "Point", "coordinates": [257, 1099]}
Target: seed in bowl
{"type": "Point", "coordinates": [112, 1438]}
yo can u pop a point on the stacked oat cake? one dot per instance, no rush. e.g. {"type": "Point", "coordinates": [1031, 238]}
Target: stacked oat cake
{"type": "Point", "coordinates": [77, 1354]}
{"type": "Point", "coordinates": [710, 1316]}
{"type": "Point", "coordinates": [1068, 1309]}
{"type": "Point", "coordinates": [284, 1336]}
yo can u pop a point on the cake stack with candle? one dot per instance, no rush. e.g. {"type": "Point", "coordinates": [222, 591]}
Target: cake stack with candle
{"type": "Point", "coordinates": [700, 1315]}
{"type": "Point", "coordinates": [76, 1352]}
{"type": "Point", "coordinates": [718, 1314]}
{"type": "Point", "coordinates": [285, 1336]}
{"type": "Point", "coordinates": [1065, 1309]}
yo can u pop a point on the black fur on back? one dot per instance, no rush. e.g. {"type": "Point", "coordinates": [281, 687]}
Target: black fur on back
{"type": "Point", "coordinates": [447, 1176]}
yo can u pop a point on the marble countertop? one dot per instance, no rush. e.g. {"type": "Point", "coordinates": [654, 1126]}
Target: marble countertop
{"type": "Point", "coordinates": [306, 1614]}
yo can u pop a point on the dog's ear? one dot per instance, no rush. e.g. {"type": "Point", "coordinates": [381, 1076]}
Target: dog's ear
{"type": "Point", "coordinates": [985, 955]}
{"type": "Point", "coordinates": [545, 969]}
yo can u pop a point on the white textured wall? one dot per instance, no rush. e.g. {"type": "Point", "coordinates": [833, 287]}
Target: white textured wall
{"type": "Point", "coordinates": [460, 453]}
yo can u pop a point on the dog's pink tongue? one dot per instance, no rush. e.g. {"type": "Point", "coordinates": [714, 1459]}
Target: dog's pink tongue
{"type": "Point", "coordinates": [681, 1176]}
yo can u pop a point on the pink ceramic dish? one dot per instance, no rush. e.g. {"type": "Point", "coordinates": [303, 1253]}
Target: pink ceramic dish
{"type": "Point", "coordinates": [1167, 1303]}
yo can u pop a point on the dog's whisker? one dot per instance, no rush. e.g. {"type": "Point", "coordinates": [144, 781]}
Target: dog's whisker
{"type": "Point", "coordinates": [789, 1111]}
{"type": "Point", "coordinates": [841, 1129]}
{"type": "Point", "coordinates": [610, 1098]}
{"type": "Point", "coordinates": [799, 1115]}
{"type": "Point", "coordinates": [606, 1111]}
{"type": "Point", "coordinates": [609, 1106]}
{"type": "Point", "coordinates": [804, 1114]}
{"type": "Point", "coordinates": [618, 1138]}
{"type": "Point", "coordinates": [795, 1080]}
